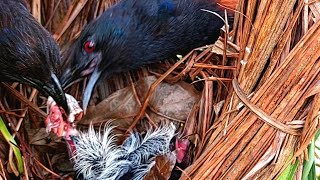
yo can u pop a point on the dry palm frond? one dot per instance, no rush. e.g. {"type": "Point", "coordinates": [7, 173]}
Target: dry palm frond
{"type": "Point", "coordinates": [282, 69]}
{"type": "Point", "coordinates": [259, 101]}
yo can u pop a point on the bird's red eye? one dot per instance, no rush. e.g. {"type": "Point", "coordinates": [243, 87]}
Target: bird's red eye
{"type": "Point", "coordinates": [89, 46]}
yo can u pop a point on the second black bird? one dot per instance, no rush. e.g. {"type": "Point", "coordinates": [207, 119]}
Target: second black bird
{"type": "Point", "coordinates": [134, 33]}
{"type": "Point", "coordinates": [28, 53]}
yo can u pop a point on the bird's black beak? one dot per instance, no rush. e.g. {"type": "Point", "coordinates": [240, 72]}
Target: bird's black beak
{"type": "Point", "coordinates": [56, 92]}
{"type": "Point", "coordinates": [95, 76]}
{"type": "Point", "coordinates": [76, 67]}
{"type": "Point", "coordinates": [69, 78]}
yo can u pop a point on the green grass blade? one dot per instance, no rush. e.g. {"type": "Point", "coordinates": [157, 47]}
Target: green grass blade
{"type": "Point", "coordinates": [7, 136]}
{"type": "Point", "coordinates": [290, 171]}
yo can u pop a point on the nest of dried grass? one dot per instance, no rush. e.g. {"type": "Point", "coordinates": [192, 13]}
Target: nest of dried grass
{"type": "Point", "coordinates": [257, 106]}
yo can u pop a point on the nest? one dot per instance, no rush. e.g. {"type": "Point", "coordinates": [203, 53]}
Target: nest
{"type": "Point", "coordinates": [255, 95]}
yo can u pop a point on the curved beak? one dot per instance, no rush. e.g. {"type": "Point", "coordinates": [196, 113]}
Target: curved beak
{"type": "Point", "coordinates": [69, 78]}
{"type": "Point", "coordinates": [80, 68]}
{"type": "Point", "coordinates": [79, 65]}
{"type": "Point", "coordinates": [95, 76]}
{"type": "Point", "coordinates": [56, 92]}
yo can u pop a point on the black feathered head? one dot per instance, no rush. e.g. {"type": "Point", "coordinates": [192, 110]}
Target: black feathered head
{"type": "Point", "coordinates": [134, 33]}
{"type": "Point", "coordinates": [28, 53]}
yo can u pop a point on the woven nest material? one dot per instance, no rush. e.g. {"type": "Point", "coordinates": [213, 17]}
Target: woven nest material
{"type": "Point", "coordinates": [257, 103]}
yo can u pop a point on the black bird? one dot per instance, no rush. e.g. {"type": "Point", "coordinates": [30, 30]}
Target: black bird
{"type": "Point", "coordinates": [28, 53]}
{"type": "Point", "coordinates": [134, 33]}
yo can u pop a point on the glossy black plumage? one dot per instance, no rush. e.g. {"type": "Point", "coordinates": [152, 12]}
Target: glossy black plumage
{"type": "Point", "coordinates": [134, 33]}
{"type": "Point", "coordinates": [28, 53]}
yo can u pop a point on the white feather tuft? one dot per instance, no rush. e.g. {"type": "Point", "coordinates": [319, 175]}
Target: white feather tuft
{"type": "Point", "coordinates": [141, 150]}
{"type": "Point", "coordinates": [98, 156]}
{"type": "Point", "coordinates": [141, 171]}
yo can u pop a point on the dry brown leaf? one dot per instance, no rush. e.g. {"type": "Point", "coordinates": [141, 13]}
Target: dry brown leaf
{"type": "Point", "coordinates": [45, 141]}
{"type": "Point", "coordinates": [162, 168]}
{"type": "Point", "coordinates": [62, 162]}
{"type": "Point", "coordinates": [218, 107]}
{"type": "Point", "coordinates": [174, 101]}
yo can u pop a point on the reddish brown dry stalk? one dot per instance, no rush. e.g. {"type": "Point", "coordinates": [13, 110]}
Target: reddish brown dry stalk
{"type": "Point", "coordinates": [24, 100]}
{"type": "Point", "coordinates": [153, 88]}
{"type": "Point", "coordinates": [225, 148]}
{"type": "Point", "coordinates": [280, 96]}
